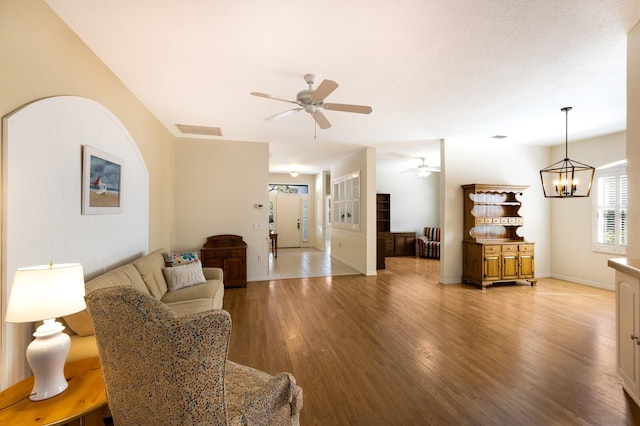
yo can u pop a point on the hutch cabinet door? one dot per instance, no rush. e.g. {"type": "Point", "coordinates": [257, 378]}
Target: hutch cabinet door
{"type": "Point", "coordinates": [526, 265]}
{"type": "Point", "coordinates": [509, 266]}
{"type": "Point", "coordinates": [492, 267]}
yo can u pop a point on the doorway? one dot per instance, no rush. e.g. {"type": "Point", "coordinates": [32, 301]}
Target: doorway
{"type": "Point", "coordinates": [289, 214]}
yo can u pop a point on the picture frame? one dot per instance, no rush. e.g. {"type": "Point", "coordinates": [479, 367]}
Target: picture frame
{"type": "Point", "coordinates": [101, 182]}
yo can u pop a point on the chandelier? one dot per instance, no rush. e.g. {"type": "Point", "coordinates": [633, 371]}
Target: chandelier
{"type": "Point", "coordinates": [567, 178]}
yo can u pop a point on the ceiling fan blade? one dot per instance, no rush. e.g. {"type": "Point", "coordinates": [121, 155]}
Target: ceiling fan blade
{"type": "Point", "coordinates": [360, 109]}
{"type": "Point", "coordinates": [324, 90]}
{"type": "Point", "coordinates": [284, 114]}
{"type": "Point", "coordinates": [277, 98]}
{"type": "Point", "coordinates": [321, 120]}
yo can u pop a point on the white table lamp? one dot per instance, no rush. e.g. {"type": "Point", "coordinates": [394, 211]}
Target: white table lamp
{"type": "Point", "coordinates": [42, 293]}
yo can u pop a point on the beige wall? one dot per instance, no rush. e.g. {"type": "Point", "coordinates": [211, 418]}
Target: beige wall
{"type": "Point", "coordinates": [218, 184]}
{"type": "Point", "coordinates": [357, 248]}
{"type": "Point", "coordinates": [42, 58]}
{"type": "Point", "coordinates": [633, 139]}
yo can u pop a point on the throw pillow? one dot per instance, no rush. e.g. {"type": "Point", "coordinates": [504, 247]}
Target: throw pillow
{"type": "Point", "coordinates": [176, 259]}
{"type": "Point", "coordinates": [184, 275]}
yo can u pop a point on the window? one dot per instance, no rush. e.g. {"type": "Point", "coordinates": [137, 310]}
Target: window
{"type": "Point", "coordinates": [610, 208]}
{"type": "Point", "coordinates": [346, 201]}
{"type": "Point", "coordinates": [288, 189]}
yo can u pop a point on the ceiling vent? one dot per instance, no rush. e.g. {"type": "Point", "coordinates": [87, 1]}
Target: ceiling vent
{"type": "Point", "coordinates": [199, 130]}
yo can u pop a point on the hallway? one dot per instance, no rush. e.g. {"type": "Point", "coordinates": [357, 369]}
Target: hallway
{"type": "Point", "coordinates": [304, 263]}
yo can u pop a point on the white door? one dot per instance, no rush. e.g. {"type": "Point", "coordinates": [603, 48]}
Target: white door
{"type": "Point", "coordinates": [288, 222]}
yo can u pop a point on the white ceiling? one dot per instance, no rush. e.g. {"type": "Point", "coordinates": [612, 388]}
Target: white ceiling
{"type": "Point", "coordinates": [430, 69]}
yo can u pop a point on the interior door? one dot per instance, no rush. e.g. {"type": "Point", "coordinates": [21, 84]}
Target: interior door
{"type": "Point", "coordinates": [288, 221]}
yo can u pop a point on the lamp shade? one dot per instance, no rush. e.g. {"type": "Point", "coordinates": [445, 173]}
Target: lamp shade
{"type": "Point", "coordinates": [46, 292]}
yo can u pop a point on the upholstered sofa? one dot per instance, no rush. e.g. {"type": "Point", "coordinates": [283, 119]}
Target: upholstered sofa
{"type": "Point", "coordinates": [429, 243]}
{"type": "Point", "coordinates": [175, 279]}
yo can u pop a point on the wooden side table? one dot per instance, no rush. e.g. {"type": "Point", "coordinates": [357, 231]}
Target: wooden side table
{"type": "Point", "coordinates": [84, 400]}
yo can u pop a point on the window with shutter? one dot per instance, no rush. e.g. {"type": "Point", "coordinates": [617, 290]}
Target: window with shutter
{"type": "Point", "coordinates": [610, 208]}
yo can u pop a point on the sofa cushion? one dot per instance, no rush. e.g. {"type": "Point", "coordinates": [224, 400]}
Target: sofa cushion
{"type": "Point", "coordinates": [188, 307]}
{"type": "Point", "coordinates": [182, 276]}
{"type": "Point", "coordinates": [80, 323]}
{"type": "Point", "coordinates": [198, 291]}
{"type": "Point", "coordinates": [176, 259]}
{"type": "Point", "coordinates": [150, 268]}
{"type": "Point", "coordinates": [125, 275]}
{"type": "Point", "coordinates": [82, 347]}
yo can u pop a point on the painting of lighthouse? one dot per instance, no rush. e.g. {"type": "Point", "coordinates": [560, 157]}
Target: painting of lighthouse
{"type": "Point", "coordinates": [102, 182]}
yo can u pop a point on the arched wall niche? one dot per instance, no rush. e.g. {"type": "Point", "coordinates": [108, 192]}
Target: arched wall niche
{"type": "Point", "coordinates": [42, 145]}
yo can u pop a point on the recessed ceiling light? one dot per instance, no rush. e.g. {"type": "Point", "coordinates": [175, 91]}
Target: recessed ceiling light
{"type": "Point", "coordinates": [498, 137]}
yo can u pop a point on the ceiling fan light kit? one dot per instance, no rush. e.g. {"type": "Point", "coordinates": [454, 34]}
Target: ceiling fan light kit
{"type": "Point", "coordinates": [422, 170]}
{"type": "Point", "coordinates": [311, 101]}
{"type": "Point", "coordinates": [567, 178]}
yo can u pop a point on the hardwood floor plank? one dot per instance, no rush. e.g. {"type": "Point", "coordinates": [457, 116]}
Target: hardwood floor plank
{"type": "Point", "coordinates": [400, 348]}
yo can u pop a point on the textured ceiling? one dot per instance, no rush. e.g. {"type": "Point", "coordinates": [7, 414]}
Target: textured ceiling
{"type": "Point", "coordinates": [430, 69]}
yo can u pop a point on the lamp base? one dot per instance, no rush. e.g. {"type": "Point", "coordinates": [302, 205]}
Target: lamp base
{"type": "Point", "coordinates": [47, 355]}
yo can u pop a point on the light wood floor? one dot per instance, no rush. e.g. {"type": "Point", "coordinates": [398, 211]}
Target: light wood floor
{"type": "Point", "coordinates": [402, 349]}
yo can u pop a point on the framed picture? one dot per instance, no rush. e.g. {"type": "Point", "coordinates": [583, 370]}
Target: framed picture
{"type": "Point", "coordinates": [101, 182]}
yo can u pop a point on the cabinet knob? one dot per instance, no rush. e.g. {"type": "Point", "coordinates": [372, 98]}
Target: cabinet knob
{"type": "Point", "coordinates": [635, 338]}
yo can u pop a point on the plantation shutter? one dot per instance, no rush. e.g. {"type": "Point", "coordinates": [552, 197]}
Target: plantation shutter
{"type": "Point", "coordinates": [610, 210]}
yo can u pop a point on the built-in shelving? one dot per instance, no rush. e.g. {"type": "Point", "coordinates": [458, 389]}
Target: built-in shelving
{"type": "Point", "coordinates": [383, 212]}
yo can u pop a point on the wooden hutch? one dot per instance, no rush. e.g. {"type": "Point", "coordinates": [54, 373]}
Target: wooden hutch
{"type": "Point", "coordinates": [492, 250]}
{"type": "Point", "coordinates": [228, 252]}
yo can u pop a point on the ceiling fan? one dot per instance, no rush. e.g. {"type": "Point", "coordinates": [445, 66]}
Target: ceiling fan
{"type": "Point", "coordinates": [423, 170]}
{"type": "Point", "coordinates": [312, 101]}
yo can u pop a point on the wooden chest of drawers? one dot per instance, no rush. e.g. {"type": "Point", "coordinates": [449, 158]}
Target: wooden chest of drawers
{"type": "Point", "coordinates": [228, 252]}
{"type": "Point", "coordinates": [399, 243]}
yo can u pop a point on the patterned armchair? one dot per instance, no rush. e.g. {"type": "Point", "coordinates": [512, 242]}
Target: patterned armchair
{"type": "Point", "coordinates": [429, 244]}
{"type": "Point", "coordinates": [159, 368]}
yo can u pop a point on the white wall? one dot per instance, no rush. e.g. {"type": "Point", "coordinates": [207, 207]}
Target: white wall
{"type": "Point", "coordinates": [42, 187]}
{"type": "Point", "coordinates": [572, 256]}
{"type": "Point", "coordinates": [633, 140]}
{"type": "Point", "coordinates": [492, 162]}
{"type": "Point", "coordinates": [357, 248]}
{"type": "Point", "coordinates": [218, 184]}
{"type": "Point", "coordinates": [415, 201]}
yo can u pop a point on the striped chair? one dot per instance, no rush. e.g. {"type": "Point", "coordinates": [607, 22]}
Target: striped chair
{"type": "Point", "coordinates": [429, 244]}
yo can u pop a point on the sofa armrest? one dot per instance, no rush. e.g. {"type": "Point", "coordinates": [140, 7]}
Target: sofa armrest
{"type": "Point", "coordinates": [213, 273]}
